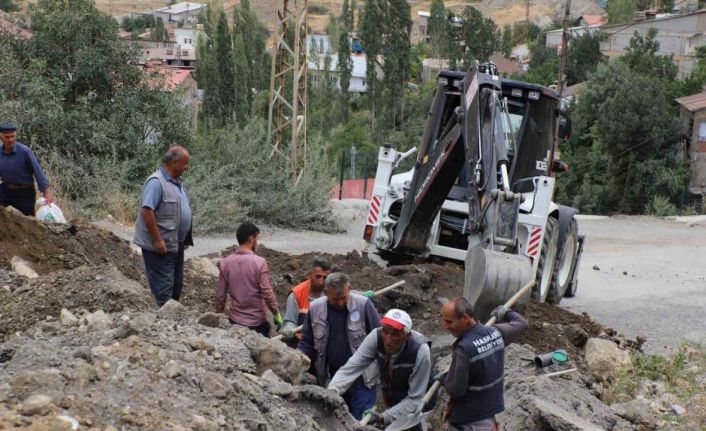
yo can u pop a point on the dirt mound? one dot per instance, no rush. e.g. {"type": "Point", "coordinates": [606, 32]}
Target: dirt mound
{"type": "Point", "coordinates": [51, 247]}
{"type": "Point", "coordinates": [84, 288]}
{"type": "Point", "coordinates": [198, 378]}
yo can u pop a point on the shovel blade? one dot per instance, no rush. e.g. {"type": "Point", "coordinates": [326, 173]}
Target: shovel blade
{"type": "Point", "coordinates": [492, 278]}
{"type": "Point", "coordinates": [403, 423]}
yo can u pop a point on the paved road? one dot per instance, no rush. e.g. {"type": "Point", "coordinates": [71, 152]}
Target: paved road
{"type": "Point", "coordinates": [662, 295]}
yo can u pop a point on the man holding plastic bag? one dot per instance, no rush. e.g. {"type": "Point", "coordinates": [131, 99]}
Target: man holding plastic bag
{"type": "Point", "coordinates": [18, 170]}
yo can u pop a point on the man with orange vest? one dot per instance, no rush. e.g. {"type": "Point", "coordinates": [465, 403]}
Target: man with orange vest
{"type": "Point", "coordinates": [300, 296]}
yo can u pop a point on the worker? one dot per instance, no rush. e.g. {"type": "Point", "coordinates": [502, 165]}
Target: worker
{"type": "Point", "coordinates": [404, 362]}
{"type": "Point", "coordinates": [300, 296]}
{"type": "Point", "coordinates": [163, 228]}
{"type": "Point", "coordinates": [334, 329]}
{"type": "Point", "coordinates": [18, 170]}
{"type": "Point", "coordinates": [475, 378]}
{"type": "Point", "coordinates": [245, 277]}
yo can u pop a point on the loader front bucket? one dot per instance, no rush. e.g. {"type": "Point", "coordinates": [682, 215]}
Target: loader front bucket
{"type": "Point", "coordinates": [492, 278]}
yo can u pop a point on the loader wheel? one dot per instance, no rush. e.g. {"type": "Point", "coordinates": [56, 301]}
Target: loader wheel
{"type": "Point", "coordinates": [564, 264]}
{"type": "Point", "coordinates": [547, 259]}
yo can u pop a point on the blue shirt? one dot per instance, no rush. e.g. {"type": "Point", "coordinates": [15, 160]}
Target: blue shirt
{"type": "Point", "coordinates": [152, 197]}
{"type": "Point", "coordinates": [20, 166]}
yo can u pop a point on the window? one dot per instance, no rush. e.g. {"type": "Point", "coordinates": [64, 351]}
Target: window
{"type": "Point", "coordinates": [702, 131]}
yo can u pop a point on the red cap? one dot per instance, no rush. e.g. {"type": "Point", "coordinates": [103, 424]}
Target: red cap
{"type": "Point", "coordinates": [392, 323]}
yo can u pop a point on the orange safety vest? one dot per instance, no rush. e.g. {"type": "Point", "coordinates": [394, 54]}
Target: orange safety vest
{"type": "Point", "coordinates": [301, 294]}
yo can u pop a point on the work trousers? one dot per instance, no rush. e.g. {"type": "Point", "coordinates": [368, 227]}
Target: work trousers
{"type": "Point", "coordinates": [262, 329]}
{"type": "Point", "coordinates": [165, 273]}
{"type": "Point", "coordinates": [482, 425]}
{"type": "Point", "coordinates": [360, 398]}
{"type": "Point", "coordinates": [22, 199]}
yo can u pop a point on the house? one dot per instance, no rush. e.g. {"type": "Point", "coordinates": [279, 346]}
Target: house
{"type": "Point", "coordinates": [183, 13]}
{"type": "Point", "coordinates": [554, 37]}
{"type": "Point", "coordinates": [592, 20]}
{"type": "Point", "coordinates": [506, 67]}
{"type": "Point", "coordinates": [678, 36]}
{"type": "Point", "coordinates": [317, 71]}
{"type": "Point", "coordinates": [692, 112]}
{"type": "Point", "coordinates": [420, 30]}
{"type": "Point", "coordinates": [431, 68]}
{"type": "Point", "coordinates": [177, 80]}
{"type": "Point", "coordinates": [320, 42]}
{"type": "Point", "coordinates": [186, 38]}
{"type": "Point", "coordinates": [168, 53]}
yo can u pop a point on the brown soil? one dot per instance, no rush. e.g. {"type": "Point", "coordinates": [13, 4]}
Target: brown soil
{"type": "Point", "coordinates": [52, 247]}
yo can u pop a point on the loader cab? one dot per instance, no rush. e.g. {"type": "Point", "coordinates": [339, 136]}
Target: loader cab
{"type": "Point", "coordinates": [533, 115]}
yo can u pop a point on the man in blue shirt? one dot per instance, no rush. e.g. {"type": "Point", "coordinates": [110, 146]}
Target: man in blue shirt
{"type": "Point", "coordinates": [163, 227]}
{"type": "Point", "coordinates": [18, 170]}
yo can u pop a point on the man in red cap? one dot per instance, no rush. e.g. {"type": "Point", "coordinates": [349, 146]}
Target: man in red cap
{"type": "Point", "coordinates": [404, 360]}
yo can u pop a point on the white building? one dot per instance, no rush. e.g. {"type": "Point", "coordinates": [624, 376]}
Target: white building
{"type": "Point", "coordinates": [317, 70]}
{"type": "Point", "coordinates": [184, 13]}
{"type": "Point", "coordinates": [186, 38]}
{"type": "Point", "coordinates": [322, 41]}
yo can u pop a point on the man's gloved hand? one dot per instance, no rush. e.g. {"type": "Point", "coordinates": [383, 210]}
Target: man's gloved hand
{"type": "Point", "coordinates": [278, 319]}
{"type": "Point", "coordinates": [376, 418]}
{"type": "Point", "coordinates": [440, 377]}
{"type": "Point", "coordinates": [500, 312]}
{"type": "Point", "coordinates": [287, 334]}
{"type": "Point", "coordinates": [370, 294]}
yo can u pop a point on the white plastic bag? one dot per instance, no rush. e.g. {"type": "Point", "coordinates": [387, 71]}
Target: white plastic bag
{"type": "Point", "coordinates": [49, 213]}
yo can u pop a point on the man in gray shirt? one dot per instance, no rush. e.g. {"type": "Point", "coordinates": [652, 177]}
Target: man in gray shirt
{"type": "Point", "coordinates": [404, 362]}
{"type": "Point", "coordinates": [163, 228]}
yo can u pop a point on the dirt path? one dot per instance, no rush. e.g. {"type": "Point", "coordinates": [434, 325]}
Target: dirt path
{"type": "Point", "coordinates": [660, 296]}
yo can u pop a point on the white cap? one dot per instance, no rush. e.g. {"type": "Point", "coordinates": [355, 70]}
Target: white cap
{"type": "Point", "coordinates": [397, 319]}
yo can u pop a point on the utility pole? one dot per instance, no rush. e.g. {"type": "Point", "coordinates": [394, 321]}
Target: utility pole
{"type": "Point", "coordinates": [287, 113]}
{"type": "Point", "coordinates": [561, 80]}
{"type": "Point", "coordinates": [527, 20]}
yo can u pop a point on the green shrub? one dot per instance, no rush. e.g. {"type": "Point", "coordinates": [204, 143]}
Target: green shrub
{"type": "Point", "coordinates": [317, 9]}
{"type": "Point", "coordinates": [660, 207]}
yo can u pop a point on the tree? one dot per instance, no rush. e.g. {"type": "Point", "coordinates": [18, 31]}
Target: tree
{"type": "Point", "coordinates": [254, 34]}
{"type": "Point", "coordinates": [225, 66]}
{"type": "Point", "coordinates": [625, 149]}
{"type": "Point", "coordinates": [159, 33]}
{"type": "Point", "coordinates": [371, 24]}
{"type": "Point", "coordinates": [8, 6]}
{"type": "Point", "coordinates": [583, 57]}
{"type": "Point", "coordinates": [507, 41]}
{"type": "Point", "coordinates": [439, 30]}
{"type": "Point", "coordinates": [344, 67]}
{"type": "Point", "coordinates": [642, 56]}
{"type": "Point", "coordinates": [398, 26]}
{"type": "Point", "coordinates": [243, 91]}
{"type": "Point", "coordinates": [480, 35]}
{"type": "Point", "coordinates": [544, 64]}
{"type": "Point", "coordinates": [620, 11]}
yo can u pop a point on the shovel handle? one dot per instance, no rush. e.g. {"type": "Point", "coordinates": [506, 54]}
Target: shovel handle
{"type": "Point", "coordinates": [366, 419]}
{"type": "Point", "coordinates": [510, 302]}
{"type": "Point", "coordinates": [388, 288]}
{"type": "Point", "coordinates": [280, 336]}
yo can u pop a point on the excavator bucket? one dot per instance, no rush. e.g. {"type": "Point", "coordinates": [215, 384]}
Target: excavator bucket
{"type": "Point", "coordinates": [492, 278]}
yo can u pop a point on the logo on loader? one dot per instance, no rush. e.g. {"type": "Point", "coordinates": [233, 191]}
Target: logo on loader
{"type": "Point", "coordinates": [374, 214]}
{"type": "Point", "coordinates": [533, 243]}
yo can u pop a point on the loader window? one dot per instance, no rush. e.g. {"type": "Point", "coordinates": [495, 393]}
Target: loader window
{"type": "Point", "coordinates": [536, 136]}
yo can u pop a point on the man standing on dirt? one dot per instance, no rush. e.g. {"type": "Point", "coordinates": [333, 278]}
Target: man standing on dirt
{"type": "Point", "coordinates": [245, 277]}
{"type": "Point", "coordinates": [404, 362]}
{"type": "Point", "coordinates": [163, 228]}
{"type": "Point", "coordinates": [18, 170]}
{"type": "Point", "coordinates": [475, 378]}
{"type": "Point", "coordinates": [333, 330]}
{"type": "Point", "coordinates": [300, 296]}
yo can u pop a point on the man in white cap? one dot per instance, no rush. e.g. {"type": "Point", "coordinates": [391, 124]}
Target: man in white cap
{"type": "Point", "coordinates": [404, 361]}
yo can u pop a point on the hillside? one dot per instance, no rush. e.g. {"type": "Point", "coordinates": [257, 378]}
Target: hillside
{"type": "Point", "coordinates": [502, 11]}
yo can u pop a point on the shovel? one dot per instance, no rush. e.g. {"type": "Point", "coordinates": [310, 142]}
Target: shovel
{"type": "Point", "coordinates": [406, 423]}
{"type": "Point", "coordinates": [377, 293]}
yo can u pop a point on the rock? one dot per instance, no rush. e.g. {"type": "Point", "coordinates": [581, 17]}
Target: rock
{"type": "Point", "coordinates": [172, 310]}
{"type": "Point", "coordinates": [637, 412]}
{"type": "Point", "coordinates": [419, 281]}
{"type": "Point", "coordinates": [275, 385]}
{"type": "Point", "coordinates": [555, 418]}
{"type": "Point", "coordinates": [22, 268]}
{"type": "Point", "coordinates": [142, 322]}
{"type": "Point", "coordinates": [605, 359]}
{"type": "Point", "coordinates": [287, 363]}
{"type": "Point", "coordinates": [212, 320]}
{"type": "Point", "coordinates": [67, 318]}
{"type": "Point", "coordinates": [397, 270]}
{"type": "Point", "coordinates": [200, 423]}
{"type": "Point", "coordinates": [36, 405]}
{"type": "Point", "coordinates": [98, 320]}
{"type": "Point", "coordinates": [213, 384]}
{"type": "Point", "coordinates": [596, 268]}
{"type": "Point", "coordinates": [576, 335]}
{"type": "Point", "coordinates": [678, 410]}
{"type": "Point", "coordinates": [198, 344]}
{"type": "Point", "coordinates": [172, 369]}
{"type": "Point", "coordinates": [204, 266]}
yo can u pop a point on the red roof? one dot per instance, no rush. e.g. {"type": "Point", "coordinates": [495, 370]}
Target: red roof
{"type": "Point", "coordinates": [693, 103]}
{"type": "Point", "coordinates": [592, 20]}
{"type": "Point", "coordinates": [169, 77]}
